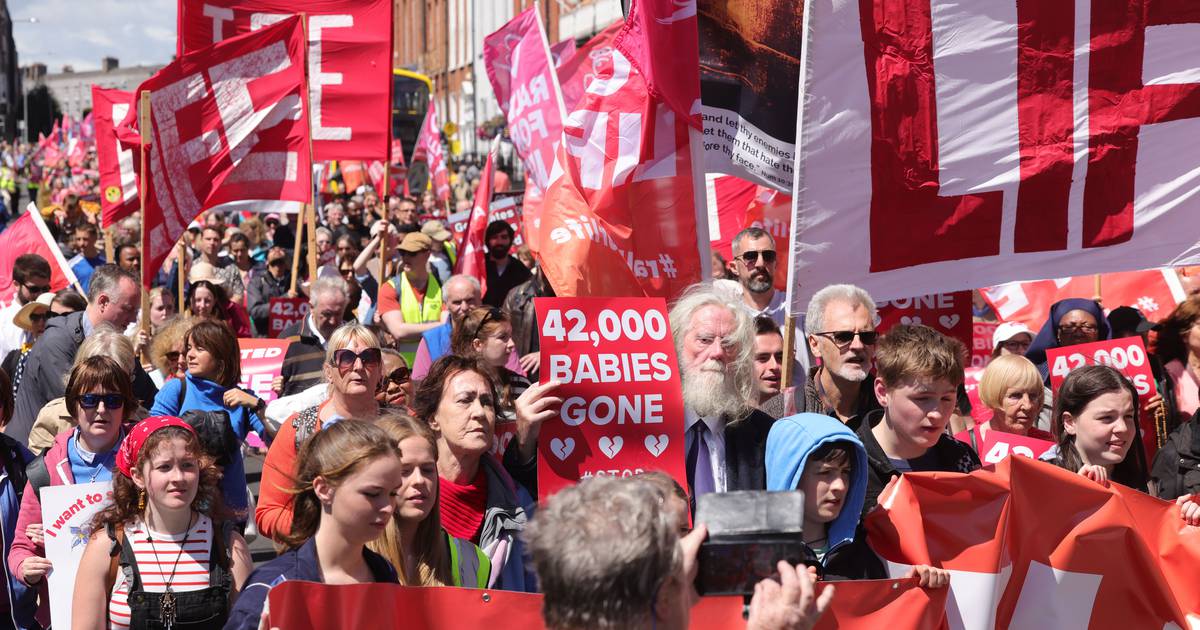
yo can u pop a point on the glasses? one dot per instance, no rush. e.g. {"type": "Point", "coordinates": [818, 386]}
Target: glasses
{"type": "Point", "coordinates": [399, 376]}
{"type": "Point", "coordinates": [845, 337]}
{"type": "Point", "coordinates": [173, 356]}
{"type": "Point", "coordinates": [493, 314]}
{"type": "Point", "coordinates": [34, 289]}
{"type": "Point", "coordinates": [751, 258]}
{"type": "Point", "coordinates": [111, 401]}
{"type": "Point", "coordinates": [344, 359]}
{"type": "Point", "coordinates": [1014, 346]}
{"type": "Point", "coordinates": [278, 262]}
{"type": "Point", "coordinates": [51, 315]}
{"type": "Point", "coordinates": [1078, 328]}
{"type": "Point", "coordinates": [37, 317]}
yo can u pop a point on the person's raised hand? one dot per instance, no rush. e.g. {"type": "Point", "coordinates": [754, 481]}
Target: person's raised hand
{"type": "Point", "coordinates": [1189, 509]}
{"type": "Point", "coordinates": [533, 407]}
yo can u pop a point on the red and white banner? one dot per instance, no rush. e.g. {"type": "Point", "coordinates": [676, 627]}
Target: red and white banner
{"type": "Point", "coordinates": [228, 124]}
{"type": "Point", "coordinates": [507, 207]}
{"type": "Point", "coordinates": [29, 235]}
{"type": "Point", "coordinates": [957, 144]}
{"type": "Point", "coordinates": [349, 63]}
{"type": "Point", "coordinates": [1154, 292]}
{"type": "Point", "coordinates": [522, 75]}
{"type": "Point", "coordinates": [262, 361]}
{"type": "Point", "coordinates": [1029, 545]}
{"type": "Point", "coordinates": [118, 164]}
{"type": "Point", "coordinates": [1128, 355]}
{"type": "Point", "coordinates": [472, 257]}
{"type": "Point", "coordinates": [563, 51]}
{"type": "Point", "coordinates": [729, 201]}
{"type": "Point", "coordinates": [622, 410]}
{"type": "Point", "coordinates": [619, 218]}
{"type": "Point", "coordinates": [429, 149]}
{"type": "Point", "coordinates": [947, 313]}
{"type": "Point", "coordinates": [285, 311]}
{"type": "Point", "coordinates": [590, 61]}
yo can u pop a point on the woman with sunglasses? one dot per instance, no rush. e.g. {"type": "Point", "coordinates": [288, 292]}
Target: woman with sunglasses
{"type": "Point", "coordinates": [396, 389]}
{"type": "Point", "coordinates": [166, 351]}
{"type": "Point", "coordinates": [486, 334]}
{"type": "Point", "coordinates": [353, 368]}
{"type": "Point", "coordinates": [99, 397]}
{"type": "Point", "coordinates": [31, 319]}
{"type": "Point", "coordinates": [213, 370]}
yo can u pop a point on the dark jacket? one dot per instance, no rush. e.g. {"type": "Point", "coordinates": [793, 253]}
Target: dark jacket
{"type": "Point", "coordinates": [519, 306]}
{"type": "Point", "coordinates": [745, 452]}
{"type": "Point", "coordinates": [947, 455]}
{"type": "Point", "coordinates": [498, 285]}
{"type": "Point", "coordinates": [263, 287]}
{"type": "Point", "coordinates": [297, 564]}
{"type": "Point", "coordinates": [46, 370]}
{"type": "Point", "coordinates": [304, 360]}
{"type": "Point", "coordinates": [811, 402]}
{"type": "Point", "coordinates": [20, 600]}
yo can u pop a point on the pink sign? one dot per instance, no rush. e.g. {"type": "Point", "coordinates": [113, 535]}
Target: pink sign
{"type": "Point", "coordinates": [981, 342]}
{"type": "Point", "coordinates": [262, 361]}
{"type": "Point", "coordinates": [622, 411]}
{"type": "Point", "coordinates": [996, 445]}
{"type": "Point", "coordinates": [522, 73]}
{"type": "Point", "coordinates": [947, 313]}
{"type": "Point", "coordinates": [284, 312]}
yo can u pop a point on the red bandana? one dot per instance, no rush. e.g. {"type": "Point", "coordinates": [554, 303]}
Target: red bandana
{"type": "Point", "coordinates": [138, 436]}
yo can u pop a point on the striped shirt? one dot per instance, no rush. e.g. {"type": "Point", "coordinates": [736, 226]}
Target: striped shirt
{"type": "Point", "coordinates": [156, 557]}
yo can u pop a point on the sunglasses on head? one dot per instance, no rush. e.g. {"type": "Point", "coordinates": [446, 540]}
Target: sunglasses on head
{"type": "Point", "coordinates": [844, 337]}
{"type": "Point", "coordinates": [493, 314]}
{"type": "Point", "coordinates": [750, 258]}
{"type": "Point", "coordinates": [111, 401]}
{"type": "Point", "coordinates": [344, 359]}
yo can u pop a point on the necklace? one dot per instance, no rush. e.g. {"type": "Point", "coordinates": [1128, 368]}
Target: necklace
{"type": "Point", "coordinates": [166, 606]}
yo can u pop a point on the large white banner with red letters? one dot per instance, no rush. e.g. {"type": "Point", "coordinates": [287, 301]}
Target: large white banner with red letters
{"type": "Point", "coordinates": [951, 144]}
{"type": "Point", "coordinates": [522, 74]}
{"type": "Point", "coordinates": [349, 63]}
{"type": "Point", "coordinates": [228, 123]}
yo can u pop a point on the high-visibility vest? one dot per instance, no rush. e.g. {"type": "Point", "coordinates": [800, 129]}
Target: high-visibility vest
{"type": "Point", "coordinates": [451, 252]}
{"type": "Point", "coordinates": [417, 312]}
{"type": "Point", "coordinates": [469, 566]}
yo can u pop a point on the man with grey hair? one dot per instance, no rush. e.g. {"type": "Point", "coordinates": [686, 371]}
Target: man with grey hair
{"type": "Point", "coordinates": [754, 263]}
{"type": "Point", "coordinates": [608, 557]}
{"type": "Point", "coordinates": [305, 357]}
{"type": "Point", "coordinates": [460, 294]}
{"type": "Point", "coordinates": [726, 437]}
{"type": "Point", "coordinates": [114, 298]}
{"type": "Point", "coordinates": [840, 328]}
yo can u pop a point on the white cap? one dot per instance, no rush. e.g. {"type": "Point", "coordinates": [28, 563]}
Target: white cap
{"type": "Point", "coordinates": [1008, 330]}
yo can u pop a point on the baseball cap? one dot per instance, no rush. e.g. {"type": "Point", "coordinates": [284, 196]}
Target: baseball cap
{"type": "Point", "coordinates": [416, 242]}
{"type": "Point", "coordinates": [1007, 331]}
{"type": "Point", "coordinates": [436, 230]}
{"type": "Point", "coordinates": [1128, 318]}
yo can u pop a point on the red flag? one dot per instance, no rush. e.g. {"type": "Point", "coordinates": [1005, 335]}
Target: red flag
{"type": "Point", "coordinates": [660, 39]}
{"type": "Point", "coordinates": [1030, 545]}
{"type": "Point", "coordinates": [29, 235]}
{"type": "Point", "coordinates": [1155, 293]}
{"type": "Point", "coordinates": [429, 148]}
{"type": "Point", "coordinates": [376, 172]}
{"type": "Point", "coordinates": [118, 164]}
{"type": "Point", "coordinates": [399, 172]}
{"type": "Point", "coordinates": [471, 259]}
{"type": "Point", "coordinates": [576, 73]}
{"type": "Point", "coordinates": [228, 124]}
{"type": "Point", "coordinates": [353, 174]}
{"type": "Point", "coordinates": [349, 61]}
{"type": "Point", "coordinates": [563, 51]}
{"type": "Point", "coordinates": [619, 216]}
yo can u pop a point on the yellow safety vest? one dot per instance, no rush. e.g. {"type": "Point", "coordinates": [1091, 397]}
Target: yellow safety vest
{"type": "Point", "coordinates": [416, 312]}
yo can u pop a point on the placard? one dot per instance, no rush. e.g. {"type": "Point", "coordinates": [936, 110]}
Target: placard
{"type": "Point", "coordinates": [67, 513]}
{"type": "Point", "coordinates": [284, 312]}
{"type": "Point", "coordinates": [622, 411]}
{"type": "Point", "coordinates": [947, 313]}
{"type": "Point", "coordinates": [262, 361]}
{"type": "Point", "coordinates": [996, 445]}
{"type": "Point", "coordinates": [981, 342]}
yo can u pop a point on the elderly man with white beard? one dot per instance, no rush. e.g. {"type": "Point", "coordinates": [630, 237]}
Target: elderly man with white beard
{"type": "Point", "coordinates": [840, 328]}
{"type": "Point", "coordinates": [725, 437]}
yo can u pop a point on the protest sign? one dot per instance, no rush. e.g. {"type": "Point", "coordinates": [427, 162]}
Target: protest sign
{"type": "Point", "coordinates": [979, 411]}
{"type": "Point", "coordinates": [117, 163]}
{"type": "Point", "coordinates": [947, 313]}
{"type": "Point", "coordinates": [996, 445]}
{"type": "Point", "coordinates": [622, 410]}
{"type": "Point", "coordinates": [981, 342]}
{"type": "Point", "coordinates": [506, 206]}
{"type": "Point", "coordinates": [67, 513]}
{"type": "Point", "coordinates": [284, 312]}
{"type": "Point", "coordinates": [1127, 355]}
{"type": "Point", "coordinates": [262, 361]}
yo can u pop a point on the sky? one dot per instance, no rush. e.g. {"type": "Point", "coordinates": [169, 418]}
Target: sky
{"type": "Point", "coordinates": [79, 32]}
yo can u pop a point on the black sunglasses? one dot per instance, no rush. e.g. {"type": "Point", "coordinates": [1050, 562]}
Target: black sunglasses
{"type": "Point", "coordinates": [844, 337]}
{"type": "Point", "coordinates": [34, 289]}
{"type": "Point", "coordinates": [111, 401]}
{"type": "Point", "coordinates": [493, 314]}
{"type": "Point", "coordinates": [51, 315]}
{"type": "Point", "coordinates": [400, 375]}
{"type": "Point", "coordinates": [750, 258]}
{"type": "Point", "coordinates": [37, 317]}
{"type": "Point", "coordinates": [344, 359]}
{"type": "Point", "coordinates": [278, 262]}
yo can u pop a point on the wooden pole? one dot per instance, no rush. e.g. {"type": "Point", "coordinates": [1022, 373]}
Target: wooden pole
{"type": "Point", "coordinates": [296, 251]}
{"type": "Point", "coordinates": [109, 246]}
{"type": "Point", "coordinates": [312, 244]}
{"type": "Point", "coordinates": [179, 275]}
{"type": "Point", "coordinates": [312, 215]}
{"type": "Point", "coordinates": [1099, 297]}
{"type": "Point", "coordinates": [144, 127]}
{"type": "Point", "coordinates": [383, 235]}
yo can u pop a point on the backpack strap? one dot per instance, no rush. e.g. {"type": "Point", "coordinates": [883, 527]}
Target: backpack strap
{"type": "Point", "coordinates": [305, 425]}
{"type": "Point", "coordinates": [117, 541]}
{"type": "Point", "coordinates": [182, 394]}
{"type": "Point", "coordinates": [38, 475]}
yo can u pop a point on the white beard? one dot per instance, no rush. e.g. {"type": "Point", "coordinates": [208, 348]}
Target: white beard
{"type": "Point", "coordinates": [709, 391]}
{"type": "Point", "coordinates": [853, 373]}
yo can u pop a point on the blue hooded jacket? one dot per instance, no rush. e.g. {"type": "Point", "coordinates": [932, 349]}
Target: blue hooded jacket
{"type": "Point", "coordinates": [790, 443]}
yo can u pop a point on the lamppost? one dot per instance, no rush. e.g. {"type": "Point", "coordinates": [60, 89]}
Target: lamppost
{"type": "Point", "coordinates": [25, 88]}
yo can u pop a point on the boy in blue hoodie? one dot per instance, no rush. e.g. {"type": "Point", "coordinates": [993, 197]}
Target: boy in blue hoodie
{"type": "Point", "coordinates": [820, 456]}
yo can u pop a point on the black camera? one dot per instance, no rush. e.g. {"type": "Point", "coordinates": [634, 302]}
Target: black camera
{"type": "Point", "coordinates": [749, 532]}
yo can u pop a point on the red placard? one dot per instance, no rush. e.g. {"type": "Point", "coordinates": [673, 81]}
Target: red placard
{"type": "Point", "coordinates": [1128, 355]}
{"type": "Point", "coordinates": [947, 313]}
{"type": "Point", "coordinates": [622, 410]}
{"type": "Point", "coordinates": [981, 343]}
{"type": "Point", "coordinates": [262, 361]}
{"type": "Point", "coordinates": [996, 445]}
{"type": "Point", "coordinates": [284, 312]}
{"type": "Point", "coordinates": [979, 411]}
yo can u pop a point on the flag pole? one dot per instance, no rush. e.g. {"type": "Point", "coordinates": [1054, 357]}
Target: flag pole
{"type": "Point", "coordinates": [311, 209]}
{"type": "Point", "coordinates": [383, 236]}
{"type": "Point", "coordinates": [1099, 298]}
{"type": "Point", "coordinates": [144, 129]}
{"type": "Point", "coordinates": [179, 260]}
{"type": "Point", "coordinates": [108, 243]}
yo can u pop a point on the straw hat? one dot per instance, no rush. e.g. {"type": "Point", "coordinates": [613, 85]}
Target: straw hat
{"type": "Point", "coordinates": [40, 305]}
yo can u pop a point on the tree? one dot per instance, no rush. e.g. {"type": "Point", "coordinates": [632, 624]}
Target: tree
{"type": "Point", "coordinates": [43, 111]}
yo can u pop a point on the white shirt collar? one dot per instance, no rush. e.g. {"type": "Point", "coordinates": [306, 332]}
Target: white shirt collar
{"type": "Point", "coordinates": [716, 425]}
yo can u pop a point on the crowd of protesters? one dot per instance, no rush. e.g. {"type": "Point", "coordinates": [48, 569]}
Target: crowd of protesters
{"type": "Point", "coordinates": [383, 461]}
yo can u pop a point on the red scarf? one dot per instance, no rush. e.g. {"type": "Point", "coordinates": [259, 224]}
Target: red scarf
{"type": "Point", "coordinates": [463, 506]}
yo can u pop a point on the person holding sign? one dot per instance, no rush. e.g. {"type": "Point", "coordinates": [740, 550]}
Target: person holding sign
{"type": "Point", "coordinates": [100, 397]}
{"type": "Point", "coordinates": [1095, 418]}
{"type": "Point", "coordinates": [1071, 322]}
{"type": "Point", "coordinates": [1012, 388]}
{"type": "Point", "coordinates": [345, 497]}
{"type": "Point", "coordinates": [179, 563]}
{"type": "Point", "coordinates": [479, 501]}
{"type": "Point", "coordinates": [487, 334]}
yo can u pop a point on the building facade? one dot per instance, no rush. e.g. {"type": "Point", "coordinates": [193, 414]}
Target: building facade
{"type": "Point", "coordinates": [10, 79]}
{"type": "Point", "coordinates": [73, 90]}
{"type": "Point", "coordinates": [444, 40]}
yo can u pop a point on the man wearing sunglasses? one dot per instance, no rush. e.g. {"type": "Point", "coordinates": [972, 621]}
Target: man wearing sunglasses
{"type": "Point", "coordinates": [754, 263]}
{"type": "Point", "coordinates": [840, 326]}
{"type": "Point", "coordinates": [31, 278]}
{"type": "Point", "coordinates": [411, 303]}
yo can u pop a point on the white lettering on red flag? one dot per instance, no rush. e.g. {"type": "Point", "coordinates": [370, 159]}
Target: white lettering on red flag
{"type": "Point", "coordinates": [117, 163]}
{"type": "Point", "coordinates": [950, 145]}
{"type": "Point", "coordinates": [471, 260]}
{"type": "Point", "coordinates": [429, 149]}
{"type": "Point", "coordinates": [228, 125]}
{"type": "Point", "coordinates": [349, 63]}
